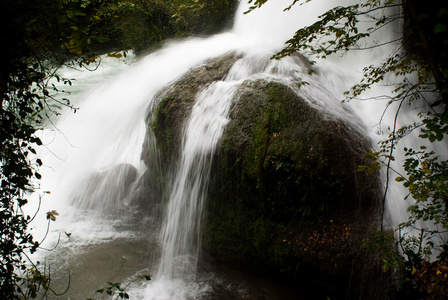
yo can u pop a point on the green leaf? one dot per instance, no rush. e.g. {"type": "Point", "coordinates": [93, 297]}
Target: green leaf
{"type": "Point", "coordinates": [439, 28]}
{"type": "Point", "coordinates": [361, 168]}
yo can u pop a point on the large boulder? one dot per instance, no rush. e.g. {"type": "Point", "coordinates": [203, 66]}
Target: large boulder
{"type": "Point", "coordinates": [284, 195]}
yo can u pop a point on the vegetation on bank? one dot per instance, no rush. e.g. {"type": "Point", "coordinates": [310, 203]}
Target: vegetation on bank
{"type": "Point", "coordinates": [38, 37]}
{"type": "Point", "coordinates": [142, 25]}
{"type": "Point", "coordinates": [416, 68]}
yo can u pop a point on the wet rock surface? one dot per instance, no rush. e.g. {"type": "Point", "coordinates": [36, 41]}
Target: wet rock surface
{"type": "Point", "coordinates": [285, 197]}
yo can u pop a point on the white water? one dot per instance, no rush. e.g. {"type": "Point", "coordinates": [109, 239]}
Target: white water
{"type": "Point", "coordinates": [205, 127]}
{"type": "Point", "coordinates": [109, 130]}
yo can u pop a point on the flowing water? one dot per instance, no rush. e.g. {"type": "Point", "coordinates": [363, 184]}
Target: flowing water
{"type": "Point", "coordinates": [93, 157]}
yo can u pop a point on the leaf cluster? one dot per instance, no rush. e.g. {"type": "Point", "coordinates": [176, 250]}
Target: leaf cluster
{"type": "Point", "coordinates": [427, 183]}
{"type": "Point", "coordinates": [433, 278]}
{"type": "Point", "coordinates": [203, 17]}
{"type": "Point", "coordinates": [142, 24]}
{"type": "Point", "coordinates": [337, 30]}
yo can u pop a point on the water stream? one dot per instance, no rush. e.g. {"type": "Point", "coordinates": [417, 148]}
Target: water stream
{"type": "Point", "coordinates": [99, 237]}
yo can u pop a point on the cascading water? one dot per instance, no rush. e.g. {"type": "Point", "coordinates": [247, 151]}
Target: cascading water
{"type": "Point", "coordinates": [202, 133]}
{"type": "Point", "coordinates": [95, 156]}
{"type": "Point", "coordinates": [201, 136]}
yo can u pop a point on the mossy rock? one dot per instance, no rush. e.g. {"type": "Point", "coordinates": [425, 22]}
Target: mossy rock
{"type": "Point", "coordinates": [175, 102]}
{"type": "Point", "coordinates": [285, 194]}
{"type": "Point", "coordinates": [165, 123]}
{"type": "Point", "coordinates": [297, 158]}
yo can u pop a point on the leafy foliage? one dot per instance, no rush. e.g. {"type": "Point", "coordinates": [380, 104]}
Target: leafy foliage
{"type": "Point", "coordinates": [202, 16]}
{"type": "Point", "coordinates": [133, 24]}
{"type": "Point", "coordinates": [143, 24]}
{"type": "Point", "coordinates": [39, 38]}
{"type": "Point", "coordinates": [427, 183]}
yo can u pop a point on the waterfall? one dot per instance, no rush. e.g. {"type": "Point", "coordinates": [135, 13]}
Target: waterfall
{"type": "Point", "coordinates": [102, 141]}
{"type": "Point", "coordinates": [202, 133]}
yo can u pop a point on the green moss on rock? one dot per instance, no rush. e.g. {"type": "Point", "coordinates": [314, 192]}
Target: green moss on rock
{"type": "Point", "coordinates": [175, 102]}
{"type": "Point", "coordinates": [302, 163]}
{"type": "Point", "coordinates": [284, 195]}
{"type": "Point", "coordinates": [287, 172]}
